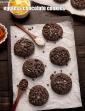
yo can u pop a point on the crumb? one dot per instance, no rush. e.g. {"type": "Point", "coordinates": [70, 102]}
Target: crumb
{"type": "Point", "coordinates": [54, 42]}
{"type": "Point", "coordinates": [66, 64]}
{"type": "Point", "coordinates": [54, 72]}
{"type": "Point", "coordinates": [61, 71]}
{"type": "Point", "coordinates": [52, 75]}
{"type": "Point", "coordinates": [15, 36]}
{"type": "Point", "coordinates": [43, 51]}
{"type": "Point", "coordinates": [45, 65]}
{"type": "Point", "coordinates": [33, 79]}
{"type": "Point", "coordinates": [47, 84]}
{"type": "Point", "coordinates": [70, 74]}
{"type": "Point", "coordinates": [70, 59]}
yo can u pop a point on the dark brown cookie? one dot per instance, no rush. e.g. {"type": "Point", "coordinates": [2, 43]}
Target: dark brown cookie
{"type": "Point", "coordinates": [61, 83]}
{"type": "Point", "coordinates": [78, 4]}
{"type": "Point", "coordinates": [52, 32]}
{"type": "Point", "coordinates": [23, 84]}
{"type": "Point", "coordinates": [59, 56]}
{"type": "Point", "coordinates": [33, 68]}
{"type": "Point", "coordinates": [38, 95]}
{"type": "Point", "coordinates": [60, 1]}
{"type": "Point", "coordinates": [24, 48]}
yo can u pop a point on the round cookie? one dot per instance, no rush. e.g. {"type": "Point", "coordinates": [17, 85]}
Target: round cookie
{"type": "Point", "coordinates": [52, 32]}
{"type": "Point", "coordinates": [23, 84]}
{"type": "Point", "coordinates": [59, 56]}
{"type": "Point", "coordinates": [78, 4]}
{"type": "Point", "coordinates": [33, 68]}
{"type": "Point", "coordinates": [24, 48]}
{"type": "Point", "coordinates": [61, 83]}
{"type": "Point", "coordinates": [60, 1]}
{"type": "Point", "coordinates": [38, 95]}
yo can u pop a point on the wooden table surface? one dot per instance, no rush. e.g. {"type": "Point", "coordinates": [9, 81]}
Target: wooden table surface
{"type": "Point", "coordinates": [79, 29]}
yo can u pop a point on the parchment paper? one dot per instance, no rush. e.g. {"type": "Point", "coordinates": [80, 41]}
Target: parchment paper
{"type": "Point", "coordinates": [67, 6]}
{"type": "Point", "coordinates": [55, 101]}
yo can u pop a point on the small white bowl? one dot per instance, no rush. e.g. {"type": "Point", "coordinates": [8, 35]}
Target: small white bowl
{"type": "Point", "coordinates": [20, 16]}
{"type": "Point", "coordinates": [6, 33]}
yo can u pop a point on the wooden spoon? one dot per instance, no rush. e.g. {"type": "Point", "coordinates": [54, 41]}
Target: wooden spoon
{"type": "Point", "coordinates": [38, 40]}
{"type": "Point", "coordinates": [21, 89]}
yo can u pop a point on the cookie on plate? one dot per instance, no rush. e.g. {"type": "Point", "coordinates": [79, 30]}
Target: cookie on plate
{"type": "Point", "coordinates": [33, 68]}
{"type": "Point", "coordinates": [60, 1]}
{"type": "Point", "coordinates": [52, 32]}
{"type": "Point", "coordinates": [24, 47]}
{"type": "Point", "coordinates": [59, 56]}
{"type": "Point", "coordinates": [61, 83]}
{"type": "Point", "coordinates": [78, 4]}
{"type": "Point", "coordinates": [38, 95]}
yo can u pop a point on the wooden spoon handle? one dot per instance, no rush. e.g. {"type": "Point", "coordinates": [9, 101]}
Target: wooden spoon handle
{"type": "Point", "coordinates": [17, 100]}
{"type": "Point", "coordinates": [26, 31]}
{"type": "Point", "coordinates": [15, 105]}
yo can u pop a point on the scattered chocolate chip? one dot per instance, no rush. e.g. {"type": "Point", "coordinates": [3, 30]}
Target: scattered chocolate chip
{"type": "Point", "coordinates": [15, 36]}
{"type": "Point", "coordinates": [61, 71]}
{"type": "Point", "coordinates": [47, 84]}
{"type": "Point", "coordinates": [43, 51]}
{"type": "Point", "coordinates": [45, 66]}
{"type": "Point", "coordinates": [70, 74]}
{"type": "Point", "coordinates": [54, 72]}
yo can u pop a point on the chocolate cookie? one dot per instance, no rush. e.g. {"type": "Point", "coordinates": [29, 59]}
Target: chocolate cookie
{"type": "Point", "coordinates": [33, 68]}
{"type": "Point", "coordinates": [38, 95]}
{"type": "Point", "coordinates": [61, 83]}
{"type": "Point", "coordinates": [59, 56]}
{"type": "Point", "coordinates": [24, 48]}
{"type": "Point", "coordinates": [60, 1]}
{"type": "Point", "coordinates": [78, 4]}
{"type": "Point", "coordinates": [52, 32]}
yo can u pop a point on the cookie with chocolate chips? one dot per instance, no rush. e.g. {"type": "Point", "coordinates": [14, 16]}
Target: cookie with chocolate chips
{"type": "Point", "coordinates": [38, 95]}
{"type": "Point", "coordinates": [33, 68]}
{"type": "Point", "coordinates": [24, 47]}
{"type": "Point", "coordinates": [52, 32]}
{"type": "Point", "coordinates": [60, 1]}
{"type": "Point", "coordinates": [59, 56]}
{"type": "Point", "coordinates": [61, 83]}
{"type": "Point", "coordinates": [78, 4]}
